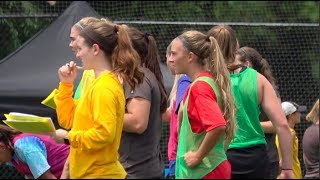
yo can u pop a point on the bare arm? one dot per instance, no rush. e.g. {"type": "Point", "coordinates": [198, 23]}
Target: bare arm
{"type": "Point", "coordinates": [59, 135]}
{"type": "Point", "coordinates": [65, 172]}
{"type": "Point", "coordinates": [227, 143]}
{"type": "Point", "coordinates": [166, 115]}
{"type": "Point", "coordinates": [267, 124]}
{"type": "Point", "coordinates": [280, 155]}
{"type": "Point", "coordinates": [272, 107]}
{"type": "Point", "coordinates": [28, 177]}
{"type": "Point", "coordinates": [268, 127]}
{"type": "Point", "coordinates": [210, 140]}
{"type": "Point", "coordinates": [47, 175]}
{"type": "Point", "coordinates": [136, 119]}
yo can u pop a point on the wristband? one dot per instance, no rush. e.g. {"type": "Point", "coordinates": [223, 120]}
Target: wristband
{"type": "Point", "coordinates": [285, 169]}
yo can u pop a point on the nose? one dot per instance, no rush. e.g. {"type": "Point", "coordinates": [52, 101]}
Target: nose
{"type": "Point", "coordinates": [71, 44]}
{"type": "Point", "coordinates": [77, 55]}
{"type": "Point", "coordinates": [170, 58]}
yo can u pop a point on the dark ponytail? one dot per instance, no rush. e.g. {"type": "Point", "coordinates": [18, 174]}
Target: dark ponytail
{"type": "Point", "coordinates": [7, 134]}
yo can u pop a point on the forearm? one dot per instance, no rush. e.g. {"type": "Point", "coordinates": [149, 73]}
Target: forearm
{"type": "Point", "coordinates": [210, 140]}
{"type": "Point", "coordinates": [99, 136]}
{"type": "Point", "coordinates": [226, 144]}
{"type": "Point", "coordinates": [65, 105]}
{"type": "Point", "coordinates": [47, 175]}
{"type": "Point", "coordinates": [268, 127]}
{"type": "Point", "coordinates": [166, 115]}
{"type": "Point", "coordinates": [65, 172]}
{"type": "Point", "coordinates": [285, 141]}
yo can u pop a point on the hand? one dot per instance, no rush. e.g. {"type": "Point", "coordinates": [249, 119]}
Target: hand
{"type": "Point", "coordinates": [286, 174]}
{"type": "Point", "coordinates": [60, 135]}
{"type": "Point", "coordinates": [280, 167]}
{"type": "Point", "coordinates": [68, 72]}
{"type": "Point", "coordinates": [191, 158]}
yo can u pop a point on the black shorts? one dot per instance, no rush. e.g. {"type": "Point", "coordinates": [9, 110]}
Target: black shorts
{"type": "Point", "coordinates": [248, 162]}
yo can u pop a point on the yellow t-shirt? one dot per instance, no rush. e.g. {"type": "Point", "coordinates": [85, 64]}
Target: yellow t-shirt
{"type": "Point", "coordinates": [295, 148]}
{"type": "Point", "coordinates": [96, 122]}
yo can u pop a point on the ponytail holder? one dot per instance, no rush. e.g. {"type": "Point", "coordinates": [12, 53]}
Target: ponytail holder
{"type": "Point", "coordinates": [146, 35]}
{"type": "Point", "coordinates": [116, 29]}
{"type": "Point", "coordinates": [208, 38]}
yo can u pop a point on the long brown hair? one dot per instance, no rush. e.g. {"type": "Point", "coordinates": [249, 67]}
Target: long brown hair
{"type": "Point", "coordinates": [145, 45]}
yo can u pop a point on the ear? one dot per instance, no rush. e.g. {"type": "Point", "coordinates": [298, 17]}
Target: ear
{"type": "Point", "coordinates": [248, 63]}
{"type": "Point", "coordinates": [96, 49]}
{"type": "Point", "coordinates": [289, 117]}
{"type": "Point", "coordinates": [191, 56]}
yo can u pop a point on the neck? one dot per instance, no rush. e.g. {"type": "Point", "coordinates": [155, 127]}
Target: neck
{"type": "Point", "coordinates": [101, 65]}
{"type": "Point", "coordinates": [291, 124]}
{"type": "Point", "coordinates": [195, 71]}
{"type": "Point", "coordinates": [235, 66]}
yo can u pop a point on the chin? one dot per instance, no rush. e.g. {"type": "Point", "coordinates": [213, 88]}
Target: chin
{"type": "Point", "coordinates": [173, 72]}
{"type": "Point", "coordinates": [178, 72]}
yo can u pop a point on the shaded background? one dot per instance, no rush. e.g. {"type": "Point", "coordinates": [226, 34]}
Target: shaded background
{"type": "Point", "coordinates": [286, 33]}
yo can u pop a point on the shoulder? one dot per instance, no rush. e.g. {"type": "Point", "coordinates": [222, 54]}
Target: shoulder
{"type": "Point", "coordinates": [146, 89]}
{"type": "Point", "coordinates": [201, 84]}
{"type": "Point", "coordinates": [109, 82]}
{"type": "Point", "coordinates": [149, 76]}
{"type": "Point", "coordinates": [110, 79]}
{"type": "Point", "coordinates": [28, 143]}
{"type": "Point", "coordinates": [263, 83]}
{"type": "Point", "coordinates": [88, 73]}
{"type": "Point", "coordinates": [149, 81]}
{"type": "Point", "coordinates": [201, 88]}
{"type": "Point", "coordinates": [293, 132]}
{"type": "Point", "coordinates": [184, 78]}
{"type": "Point", "coordinates": [27, 139]}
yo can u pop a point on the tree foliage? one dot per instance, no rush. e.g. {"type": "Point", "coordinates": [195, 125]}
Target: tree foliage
{"type": "Point", "coordinates": [18, 30]}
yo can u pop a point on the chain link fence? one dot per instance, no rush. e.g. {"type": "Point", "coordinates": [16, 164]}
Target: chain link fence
{"type": "Point", "coordinates": [285, 33]}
